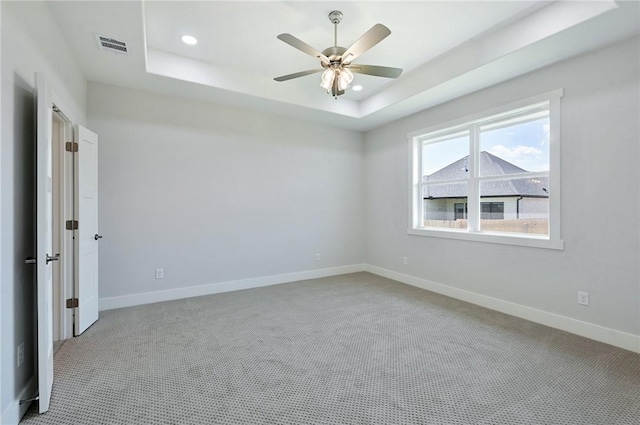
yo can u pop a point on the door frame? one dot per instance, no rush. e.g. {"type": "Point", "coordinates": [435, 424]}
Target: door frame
{"type": "Point", "coordinates": [64, 205]}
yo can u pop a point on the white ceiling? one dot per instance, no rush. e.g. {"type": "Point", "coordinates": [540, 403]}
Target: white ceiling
{"type": "Point", "coordinates": [446, 48]}
{"type": "Point", "coordinates": [248, 32]}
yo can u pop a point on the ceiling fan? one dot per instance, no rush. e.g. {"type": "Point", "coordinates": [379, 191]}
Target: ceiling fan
{"type": "Point", "coordinates": [336, 60]}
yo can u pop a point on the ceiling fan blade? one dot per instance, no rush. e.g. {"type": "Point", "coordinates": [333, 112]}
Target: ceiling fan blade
{"type": "Point", "coordinates": [302, 46]}
{"type": "Point", "coordinates": [378, 71]}
{"type": "Point", "coordinates": [375, 35]}
{"type": "Point", "coordinates": [298, 74]}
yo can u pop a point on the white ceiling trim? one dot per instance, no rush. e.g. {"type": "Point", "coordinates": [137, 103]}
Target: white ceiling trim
{"type": "Point", "coordinates": [526, 39]}
{"type": "Point", "coordinates": [238, 81]}
{"type": "Point", "coordinates": [439, 75]}
{"type": "Point", "coordinates": [482, 51]}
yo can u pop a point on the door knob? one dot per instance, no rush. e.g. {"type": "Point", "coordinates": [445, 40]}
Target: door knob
{"type": "Point", "coordinates": [97, 236]}
{"type": "Point", "coordinates": [30, 260]}
{"type": "Point", "coordinates": [54, 258]}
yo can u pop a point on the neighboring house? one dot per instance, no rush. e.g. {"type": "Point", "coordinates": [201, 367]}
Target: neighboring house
{"type": "Point", "coordinates": [524, 198]}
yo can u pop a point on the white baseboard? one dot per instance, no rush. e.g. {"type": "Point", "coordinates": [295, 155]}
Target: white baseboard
{"type": "Point", "coordinates": [216, 288]}
{"type": "Point", "coordinates": [588, 330]}
{"type": "Point", "coordinates": [14, 411]}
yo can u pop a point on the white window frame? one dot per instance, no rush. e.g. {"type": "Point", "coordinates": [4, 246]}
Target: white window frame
{"type": "Point", "coordinates": [473, 233]}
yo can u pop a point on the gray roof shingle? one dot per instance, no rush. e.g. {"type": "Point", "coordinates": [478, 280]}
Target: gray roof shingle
{"type": "Point", "coordinates": [491, 165]}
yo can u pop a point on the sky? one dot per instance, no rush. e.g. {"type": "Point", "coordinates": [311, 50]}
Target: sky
{"type": "Point", "coordinates": [525, 145]}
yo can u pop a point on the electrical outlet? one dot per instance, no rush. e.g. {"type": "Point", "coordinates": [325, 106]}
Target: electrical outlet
{"type": "Point", "coordinates": [405, 260]}
{"type": "Point", "coordinates": [159, 273]}
{"type": "Point", "coordinates": [20, 355]}
{"type": "Point", "coordinates": [317, 257]}
{"type": "Point", "coordinates": [583, 298]}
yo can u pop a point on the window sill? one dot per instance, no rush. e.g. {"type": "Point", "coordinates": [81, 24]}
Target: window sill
{"type": "Point", "coordinates": [488, 237]}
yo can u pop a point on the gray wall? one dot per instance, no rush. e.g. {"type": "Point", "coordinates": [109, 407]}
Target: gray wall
{"type": "Point", "coordinates": [600, 133]}
{"type": "Point", "coordinates": [29, 36]}
{"type": "Point", "coordinates": [213, 194]}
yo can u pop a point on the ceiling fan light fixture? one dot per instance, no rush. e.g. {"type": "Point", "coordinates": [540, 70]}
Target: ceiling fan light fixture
{"type": "Point", "coordinates": [345, 77]}
{"type": "Point", "coordinates": [328, 74]}
{"type": "Point", "coordinates": [326, 81]}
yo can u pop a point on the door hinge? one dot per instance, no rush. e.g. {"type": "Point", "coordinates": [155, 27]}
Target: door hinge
{"type": "Point", "coordinates": [72, 303]}
{"type": "Point", "coordinates": [71, 147]}
{"type": "Point", "coordinates": [72, 224]}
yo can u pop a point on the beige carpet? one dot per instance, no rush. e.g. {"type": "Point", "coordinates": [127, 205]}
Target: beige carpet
{"type": "Point", "coordinates": [352, 349]}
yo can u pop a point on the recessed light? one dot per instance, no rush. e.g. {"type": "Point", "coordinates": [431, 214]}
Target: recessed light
{"type": "Point", "coordinates": [190, 40]}
{"type": "Point", "coordinates": [356, 88]}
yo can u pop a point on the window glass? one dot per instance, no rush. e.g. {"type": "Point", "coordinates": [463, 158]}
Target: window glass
{"type": "Point", "coordinates": [441, 204]}
{"type": "Point", "coordinates": [460, 210]}
{"type": "Point", "coordinates": [446, 158]}
{"type": "Point", "coordinates": [515, 206]}
{"type": "Point", "coordinates": [492, 211]}
{"type": "Point", "coordinates": [515, 146]}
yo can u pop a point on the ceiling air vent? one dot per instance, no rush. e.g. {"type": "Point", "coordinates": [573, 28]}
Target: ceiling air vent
{"type": "Point", "coordinates": [112, 45]}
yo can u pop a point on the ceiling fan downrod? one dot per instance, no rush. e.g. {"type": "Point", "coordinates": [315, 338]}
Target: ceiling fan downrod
{"type": "Point", "coordinates": [335, 17]}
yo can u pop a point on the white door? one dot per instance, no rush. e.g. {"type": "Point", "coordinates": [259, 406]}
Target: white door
{"type": "Point", "coordinates": [44, 243]}
{"type": "Point", "coordinates": [87, 236]}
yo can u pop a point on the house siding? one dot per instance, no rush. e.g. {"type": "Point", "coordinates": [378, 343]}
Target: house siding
{"type": "Point", "coordinates": [530, 208]}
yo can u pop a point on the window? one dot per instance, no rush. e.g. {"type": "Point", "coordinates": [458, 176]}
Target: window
{"type": "Point", "coordinates": [491, 211]}
{"type": "Point", "coordinates": [488, 211]}
{"type": "Point", "coordinates": [460, 211]}
{"type": "Point", "coordinates": [492, 177]}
